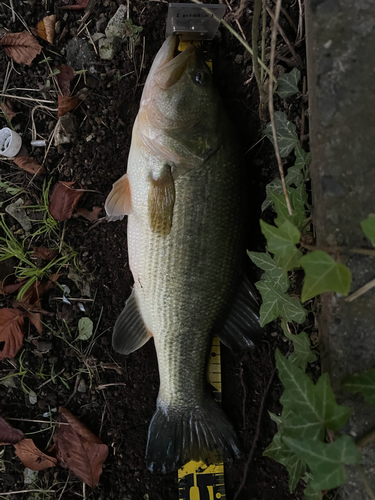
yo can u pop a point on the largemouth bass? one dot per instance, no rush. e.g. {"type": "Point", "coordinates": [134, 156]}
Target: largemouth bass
{"type": "Point", "coordinates": [181, 193]}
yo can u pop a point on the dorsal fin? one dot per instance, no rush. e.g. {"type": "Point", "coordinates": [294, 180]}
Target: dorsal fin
{"type": "Point", "coordinates": [118, 202]}
{"type": "Point", "coordinates": [240, 328]}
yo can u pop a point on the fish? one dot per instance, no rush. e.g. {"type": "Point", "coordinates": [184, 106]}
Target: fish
{"type": "Point", "coordinates": [182, 195]}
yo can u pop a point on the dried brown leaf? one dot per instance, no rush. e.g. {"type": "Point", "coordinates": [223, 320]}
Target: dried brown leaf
{"type": "Point", "coordinates": [64, 200]}
{"type": "Point", "coordinates": [90, 215]}
{"type": "Point", "coordinates": [11, 335]}
{"type": "Point", "coordinates": [46, 28]}
{"type": "Point", "coordinates": [66, 104]}
{"type": "Point", "coordinates": [81, 4]}
{"type": "Point", "coordinates": [8, 434]}
{"type": "Point", "coordinates": [31, 303]}
{"type": "Point", "coordinates": [32, 457]}
{"type": "Point", "coordinates": [29, 164]}
{"type": "Point", "coordinates": [45, 253]}
{"type": "Point", "coordinates": [79, 449]}
{"type": "Point", "coordinates": [6, 289]}
{"type": "Point", "coordinates": [21, 47]}
{"type": "Point", "coordinates": [64, 78]}
{"type": "Point", "coordinates": [7, 109]}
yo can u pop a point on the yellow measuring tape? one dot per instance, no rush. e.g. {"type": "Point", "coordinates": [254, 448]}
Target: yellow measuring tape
{"type": "Point", "coordinates": [196, 480]}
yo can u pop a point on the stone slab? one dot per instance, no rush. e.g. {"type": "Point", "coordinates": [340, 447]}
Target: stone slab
{"type": "Point", "coordinates": [341, 81]}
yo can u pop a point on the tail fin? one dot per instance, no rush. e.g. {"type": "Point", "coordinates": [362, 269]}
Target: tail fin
{"type": "Point", "coordinates": [178, 435]}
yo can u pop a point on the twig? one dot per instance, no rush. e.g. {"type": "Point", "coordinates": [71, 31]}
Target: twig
{"type": "Point", "coordinates": [263, 46]}
{"type": "Point", "coordinates": [237, 21]}
{"type": "Point", "coordinates": [52, 378]}
{"type": "Point", "coordinates": [270, 105]}
{"type": "Point", "coordinates": [91, 40]}
{"type": "Point", "coordinates": [362, 475]}
{"type": "Point", "coordinates": [13, 13]}
{"type": "Point", "coordinates": [300, 22]}
{"type": "Point", "coordinates": [7, 75]}
{"type": "Point", "coordinates": [364, 289]}
{"type": "Point", "coordinates": [65, 485]}
{"type": "Point", "coordinates": [104, 386]}
{"type": "Point", "coordinates": [303, 111]}
{"type": "Point", "coordinates": [275, 19]}
{"type": "Point", "coordinates": [26, 491]}
{"type": "Point", "coordinates": [257, 432]}
{"type": "Point", "coordinates": [254, 41]}
{"type": "Point", "coordinates": [287, 16]}
{"type": "Point", "coordinates": [235, 34]}
{"type": "Point", "coordinates": [36, 421]}
{"type": "Point", "coordinates": [362, 251]}
{"type": "Point", "coordinates": [26, 98]}
{"type": "Point", "coordinates": [366, 439]}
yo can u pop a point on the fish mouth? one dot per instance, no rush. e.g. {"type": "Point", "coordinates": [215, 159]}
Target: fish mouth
{"type": "Point", "coordinates": [172, 64]}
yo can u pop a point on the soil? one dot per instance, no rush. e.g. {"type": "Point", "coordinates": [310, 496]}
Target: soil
{"type": "Point", "coordinates": [112, 394]}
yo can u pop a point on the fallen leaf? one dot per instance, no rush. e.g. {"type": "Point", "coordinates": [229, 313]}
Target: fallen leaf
{"type": "Point", "coordinates": [79, 449]}
{"type": "Point", "coordinates": [7, 109]}
{"type": "Point", "coordinates": [21, 47]}
{"type": "Point", "coordinates": [81, 4]}
{"type": "Point", "coordinates": [29, 164]}
{"type": "Point", "coordinates": [31, 303]}
{"type": "Point", "coordinates": [45, 253]}
{"type": "Point", "coordinates": [66, 104]}
{"type": "Point", "coordinates": [64, 200]}
{"type": "Point", "coordinates": [8, 434]}
{"type": "Point", "coordinates": [32, 457]}
{"type": "Point", "coordinates": [46, 28]}
{"type": "Point", "coordinates": [64, 78]}
{"type": "Point", "coordinates": [11, 288]}
{"type": "Point", "coordinates": [90, 215]}
{"type": "Point", "coordinates": [11, 336]}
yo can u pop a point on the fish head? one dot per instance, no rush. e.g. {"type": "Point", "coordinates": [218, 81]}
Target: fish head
{"type": "Point", "coordinates": [179, 106]}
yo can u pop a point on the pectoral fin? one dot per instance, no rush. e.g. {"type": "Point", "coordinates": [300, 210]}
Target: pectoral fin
{"type": "Point", "coordinates": [130, 332]}
{"type": "Point", "coordinates": [118, 202]}
{"type": "Point", "coordinates": [240, 328]}
{"type": "Point", "coordinates": [161, 200]}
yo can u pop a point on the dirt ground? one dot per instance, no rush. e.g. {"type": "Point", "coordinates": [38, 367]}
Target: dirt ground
{"type": "Point", "coordinates": [112, 394]}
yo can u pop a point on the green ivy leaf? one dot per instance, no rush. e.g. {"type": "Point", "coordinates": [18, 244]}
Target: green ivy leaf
{"type": "Point", "coordinates": [274, 186]}
{"type": "Point", "coordinates": [285, 133]}
{"type": "Point", "coordinates": [363, 382]}
{"type": "Point", "coordinates": [323, 274]}
{"type": "Point", "coordinates": [326, 460]}
{"type": "Point", "coordinates": [262, 260]}
{"type": "Point", "coordinates": [287, 84]}
{"type": "Point", "coordinates": [302, 353]}
{"type": "Point", "coordinates": [312, 407]}
{"type": "Point", "coordinates": [298, 200]}
{"type": "Point", "coordinates": [294, 176]}
{"type": "Point", "coordinates": [303, 158]}
{"type": "Point", "coordinates": [85, 328]}
{"type": "Point", "coordinates": [286, 457]}
{"type": "Point", "coordinates": [368, 226]}
{"type": "Point", "coordinates": [275, 302]}
{"type": "Point", "coordinates": [312, 493]}
{"type": "Point", "coordinates": [281, 241]}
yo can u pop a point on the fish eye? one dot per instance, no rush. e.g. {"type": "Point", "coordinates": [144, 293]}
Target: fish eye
{"type": "Point", "coordinates": [199, 78]}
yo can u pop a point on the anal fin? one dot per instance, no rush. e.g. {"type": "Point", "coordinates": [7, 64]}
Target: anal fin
{"type": "Point", "coordinates": [118, 202]}
{"type": "Point", "coordinates": [130, 332]}
{"type": "Point", "coordinates": [240, 327]}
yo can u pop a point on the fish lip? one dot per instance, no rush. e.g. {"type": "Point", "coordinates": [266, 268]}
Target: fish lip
{"type": "Point", "coordinates": [173, 64]}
